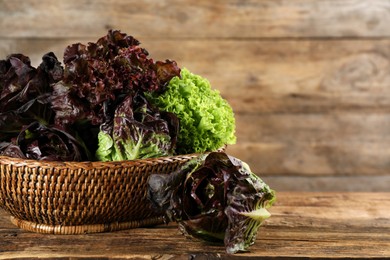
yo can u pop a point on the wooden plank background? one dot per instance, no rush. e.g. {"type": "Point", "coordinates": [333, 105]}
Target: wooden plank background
{"type": "Point", "coordinates": [309, 80]}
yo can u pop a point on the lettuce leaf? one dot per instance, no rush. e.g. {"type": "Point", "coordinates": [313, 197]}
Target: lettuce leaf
{"type": "Point", "coordinates": [99, 75]}
{"type": "Point", "coordinates": [40, 142]}
{"type": "Point", "coordinates": [25, 91]}
{"type": "Point", "coordinates": [137, 131]}
{"type": "Point", "coordinates": [206, 119]}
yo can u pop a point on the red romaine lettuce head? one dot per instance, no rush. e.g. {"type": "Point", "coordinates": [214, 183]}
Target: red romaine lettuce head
{"type": "Point", "coordinates": [25, 91]}
{"type": "Point", "coordinates": [137, 131]}
{"type": "Point", "coordinates": [20, 82]}
{"type": "Point", "coordinates": [101, 74]}
{"type": "Point", "coordinates": [214, 197]}
{"type": "Point", "coordinates": [40, 142]}
{"type": "Point", "coordinates": [15, 72]}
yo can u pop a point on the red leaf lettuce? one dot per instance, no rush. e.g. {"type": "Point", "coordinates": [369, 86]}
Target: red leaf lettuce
{"type": "Point", "coordinates": [214, 197]}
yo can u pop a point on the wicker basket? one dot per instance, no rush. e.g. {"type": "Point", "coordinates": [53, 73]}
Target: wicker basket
{"type": "Point", "coordinates": [80, 197]}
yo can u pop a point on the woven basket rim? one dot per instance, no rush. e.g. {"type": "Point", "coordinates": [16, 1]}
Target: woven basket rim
{"type": "Point", "coordinates": [96, 164]}
{"type": "Point", "coordinates": [104, 164]}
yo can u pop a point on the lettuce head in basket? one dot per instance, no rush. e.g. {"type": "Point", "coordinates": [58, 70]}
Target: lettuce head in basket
{"type": "Point", "coordinates": [206, 119]}
{"type": "Point", "coordinates": [108, 101]}
{"type": "Point", "coordinates": [214, 197]}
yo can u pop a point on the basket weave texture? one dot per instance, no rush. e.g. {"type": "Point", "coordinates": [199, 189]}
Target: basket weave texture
{"type": "Point", "coordinates": [81, 197]}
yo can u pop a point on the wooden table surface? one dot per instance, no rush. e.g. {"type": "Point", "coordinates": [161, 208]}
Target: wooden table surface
{"type": "Point", "coordinates": [303, 225]}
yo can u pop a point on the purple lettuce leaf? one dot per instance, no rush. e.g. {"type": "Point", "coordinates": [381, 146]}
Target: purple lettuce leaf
{"type": "Point", "coordinates": [214, 197]}
{"type": "Point", "coordinates": [137, 131]}
{"type": "Point", "coordinates": [98, 76]}
{"type": "Point", "coordinates": [40, 142]}
{"type": "Point", "coordinates": [25, 92]}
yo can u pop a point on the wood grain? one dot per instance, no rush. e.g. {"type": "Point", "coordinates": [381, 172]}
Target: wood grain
{"type": "Point", "coordinates": [302, 225]}
{"type": "Point", "coordinates": [196, 18]}
{"type": "Point", "coordinates": [336, 183]}
{"type": "Point", "coordinates": [314, 144]}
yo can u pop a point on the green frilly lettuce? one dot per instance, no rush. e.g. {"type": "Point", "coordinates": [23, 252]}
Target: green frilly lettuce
{"type": "Point", "coordinates": [206, 119]}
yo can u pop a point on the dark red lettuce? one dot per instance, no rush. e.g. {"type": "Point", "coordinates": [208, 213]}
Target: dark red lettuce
{"type": "Point", "coordinates": [214, 197]}
{"type": "Point", "coordinates": [98, 76]}
{"type": "Point", "coordinates": [137, 131]}
{"type": "Point", "coordinates": [40, 142]}
{"type": "Point", "coordinates": [80, 97]}
{"type": "Point", "coordinates": [26, 116]}
{"type": "Point", "coordinates": [25, 92]}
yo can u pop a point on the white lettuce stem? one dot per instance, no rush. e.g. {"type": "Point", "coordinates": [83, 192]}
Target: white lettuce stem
{"type": "Point", "coordinates": [259, 214]}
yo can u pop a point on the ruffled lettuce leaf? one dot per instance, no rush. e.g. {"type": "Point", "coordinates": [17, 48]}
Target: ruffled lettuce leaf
{"type": "Point", "coordinates": [207, 121]}
{"type": "Point", "coordinates": [100, 75]}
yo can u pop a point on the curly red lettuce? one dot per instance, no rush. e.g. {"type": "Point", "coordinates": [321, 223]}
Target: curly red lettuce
{"type": "Point", "coordinates": [98, 77]}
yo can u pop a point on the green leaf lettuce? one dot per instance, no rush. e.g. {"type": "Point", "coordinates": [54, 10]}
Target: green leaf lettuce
{"type": "Point", "coordinates": [206, 119]}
